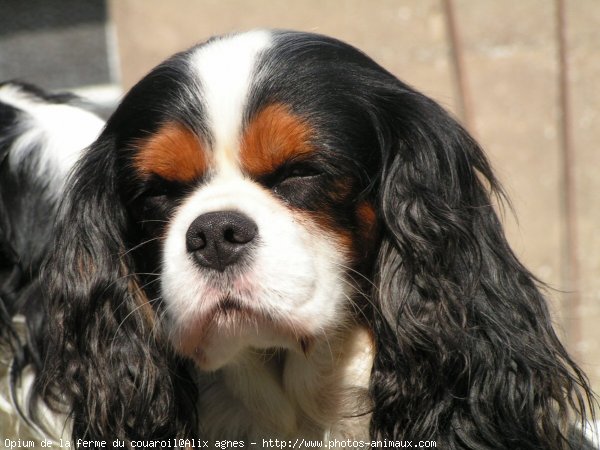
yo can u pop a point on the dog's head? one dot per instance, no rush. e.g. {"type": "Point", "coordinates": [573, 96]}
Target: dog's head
{"type": "Point", "coordinates": [265, 190]}
{"type": "Point", "coordinates": [253, 193]}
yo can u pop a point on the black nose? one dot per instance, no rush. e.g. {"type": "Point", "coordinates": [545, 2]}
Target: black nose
{"type": "Point", "coordinates": [218, 239]}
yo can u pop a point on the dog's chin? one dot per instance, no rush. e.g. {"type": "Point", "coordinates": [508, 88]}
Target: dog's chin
{"type": "Point", "coordinates": [221, 335]}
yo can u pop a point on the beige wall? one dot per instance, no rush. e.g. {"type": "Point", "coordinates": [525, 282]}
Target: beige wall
{"type": "Point", "coordinates": [511, 68]}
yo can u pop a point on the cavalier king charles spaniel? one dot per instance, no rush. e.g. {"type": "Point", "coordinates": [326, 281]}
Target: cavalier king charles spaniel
{"type": "Point", "coordinates": [41, 137]}
{"type": "Point", "coordinates": [274, 237]}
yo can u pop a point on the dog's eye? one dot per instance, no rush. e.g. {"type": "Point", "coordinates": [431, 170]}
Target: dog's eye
{"type": "Point", "coordinates": [156, 201]}
{"type": "Point", "coordinates": [295, 182]}
{"type": "Point", "coordinates": [163, 188]}
{"type": "Point", "coordinates": [154, 192]}
{"type": "Point", "coordinates": [299, 171]}
{"type": "Point", "coordinates": [303, 172]}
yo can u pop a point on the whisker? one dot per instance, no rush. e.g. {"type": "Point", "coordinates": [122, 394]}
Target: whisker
{"type": "Point", "coordinates": [136, 309]}
{"type": "Point", "coordinates": [364, 295]}
{"type": "Point", "coordinates": [153, 220]}
{"type": "Point", "coordinates": [139, 273]}
{"type": "Point", "coordinates": [350, 269]}
{"type": "Point", "coordinates": [135, 247]}
{"type": "Point", "coordinates": [327, 342]}
{"type": "Point", "coordinates": [149, 283]}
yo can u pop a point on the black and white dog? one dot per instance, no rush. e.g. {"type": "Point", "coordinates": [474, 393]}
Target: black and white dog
{"type": "Point", "coordinates": [274, 237]}
{"type": "Point", "coordinates": [41, 137]}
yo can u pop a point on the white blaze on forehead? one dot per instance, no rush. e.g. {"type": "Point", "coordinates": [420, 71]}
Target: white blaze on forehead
{"type": "Point", "coordinates": [225, 68]}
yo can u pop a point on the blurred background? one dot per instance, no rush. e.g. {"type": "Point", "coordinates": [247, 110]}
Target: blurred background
{"type": "Point", "coordinates": [522, 75]}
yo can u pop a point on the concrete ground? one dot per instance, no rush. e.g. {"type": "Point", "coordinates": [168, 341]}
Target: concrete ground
{"type": "Point", "coordinates": [511, 66]}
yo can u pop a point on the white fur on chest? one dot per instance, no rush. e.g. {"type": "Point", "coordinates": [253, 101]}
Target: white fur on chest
{"type": "Point", "coordinates": [284, 395]}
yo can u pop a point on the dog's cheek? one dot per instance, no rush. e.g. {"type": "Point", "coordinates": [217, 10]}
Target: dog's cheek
{"type": "Point", "coordinates": [367, 231]}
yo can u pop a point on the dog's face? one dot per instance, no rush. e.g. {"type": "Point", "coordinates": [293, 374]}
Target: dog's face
{"type": "Point", "coordinates": [271, 190]}
{"type": "Point", "coordinates": [255, 204]}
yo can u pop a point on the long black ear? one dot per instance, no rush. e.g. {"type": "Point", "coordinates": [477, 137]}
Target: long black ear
{"type": "Point", "coordinates": [466, 353]}
{"type": "Point", "coordinates": [105, 362]}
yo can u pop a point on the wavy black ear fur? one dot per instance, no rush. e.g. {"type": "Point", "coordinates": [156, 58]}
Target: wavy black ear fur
{"type": "Point", "coordinates": [466, 352]}
{"type": "Point", "coordinates": [105, 360]}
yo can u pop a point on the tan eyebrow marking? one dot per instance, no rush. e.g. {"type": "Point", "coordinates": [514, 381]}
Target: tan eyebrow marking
{"type": "Point", "coordinates": [173, 152]}
{"type": "Point", "coordinates": [273, 137]}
